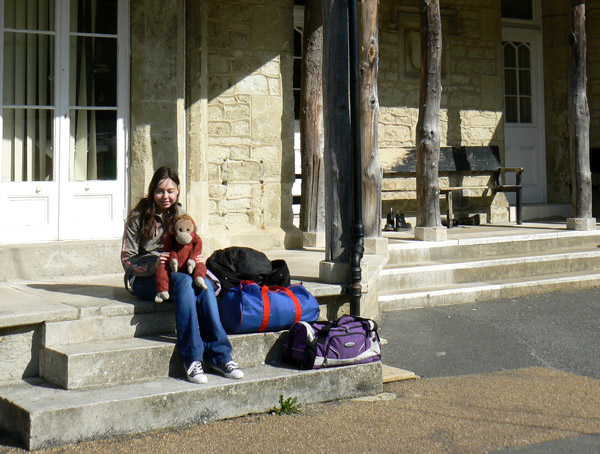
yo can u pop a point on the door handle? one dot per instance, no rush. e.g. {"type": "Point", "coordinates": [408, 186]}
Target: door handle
{"type": "Point", "coordinates": [38, 189]}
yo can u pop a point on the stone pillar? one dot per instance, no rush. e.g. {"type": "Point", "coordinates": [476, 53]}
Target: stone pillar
{"type": "Point", "coordinates": [157, 115]}
{"type": "Point", "coordinates": [196, 103]}
{"type": "Point", "coordinates": [337, 159]}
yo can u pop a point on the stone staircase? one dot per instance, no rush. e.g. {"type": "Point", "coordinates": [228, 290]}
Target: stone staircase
{"type": "Point", "coordinates": [83, 359]}
{"type": "Point", "coordinates": [106, 364]}
{"type": "Point", "coordinates": [482, 268]}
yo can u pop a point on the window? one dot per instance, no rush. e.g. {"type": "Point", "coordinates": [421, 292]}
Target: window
{"type": "Point", "coordinates": [297, 77]}
{"type": "Point", "coordinates": [28, 91]}
{"type": "Point", "coordinates": [517, 9]}
{"type": "Point", "coordinates": [517, 82]}
{"type": "Point", "coordinates": [93, 89]}
{"type": "Point", "coordinates": [36, 40]}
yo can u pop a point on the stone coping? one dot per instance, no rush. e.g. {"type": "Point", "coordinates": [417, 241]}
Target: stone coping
{"type": "Point", "coordinates": [485, 234]}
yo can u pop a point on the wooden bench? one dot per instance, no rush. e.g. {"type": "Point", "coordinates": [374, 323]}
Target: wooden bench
{"type": "Point", "coordinates": [467, 161]}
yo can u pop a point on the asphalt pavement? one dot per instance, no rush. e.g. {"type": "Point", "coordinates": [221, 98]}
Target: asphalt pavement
{"type": "Point", "coordinates": [507, 376]}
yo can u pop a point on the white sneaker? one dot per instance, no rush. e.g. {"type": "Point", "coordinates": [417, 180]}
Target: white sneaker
{"type": "Point", "coordinates": [195, 374]}
{"type": "Point", "coordinates": [230, 370]}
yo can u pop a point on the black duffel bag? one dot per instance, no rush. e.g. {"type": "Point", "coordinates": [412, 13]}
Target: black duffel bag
{"type": "Point", "coordinates": [235, 264]}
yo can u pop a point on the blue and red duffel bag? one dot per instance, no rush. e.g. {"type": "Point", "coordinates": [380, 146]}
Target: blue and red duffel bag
{"type": "Point", "coordinates": [251, 308]}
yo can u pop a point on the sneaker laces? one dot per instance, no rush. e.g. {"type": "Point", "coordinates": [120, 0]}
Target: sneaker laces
{"type": "Point", "coordinates": [195, 369]}
{"type": "Point", "coordinates": [231, 366]}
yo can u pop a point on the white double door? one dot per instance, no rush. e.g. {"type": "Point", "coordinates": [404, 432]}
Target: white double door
{"type": "Point", "coordinates": [63, 120]}
{"type": "Point", "coordinates": [524, 109]}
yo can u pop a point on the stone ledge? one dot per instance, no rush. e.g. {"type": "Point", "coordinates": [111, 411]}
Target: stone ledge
{"type": "Point", "coordinates": [581, 224]}
{"type": "Point", "coordinates": [431, 233]}
{"type": "Point", "coordinates": [41, 416]}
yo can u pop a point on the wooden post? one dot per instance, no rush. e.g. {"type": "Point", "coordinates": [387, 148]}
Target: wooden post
{"type": "Point", "coordinates": [338, 145]}
{"type": "Point", "coordinates": [369, 116]}
{"type": "Point", "coordinates": [579, 117]}
{"type": "Point", "coordinates": [428, 125]}
{"type": "Point", "coordinates": [312, 208]}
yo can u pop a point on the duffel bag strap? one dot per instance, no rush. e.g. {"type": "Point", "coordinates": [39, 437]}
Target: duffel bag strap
{"type": "Point", "coordinates": [266, 308]}
{"type": "Point", "coordinates": [288, 292]}
{"type": "Point", "coordinates": [324, 332]}
{"type": "Point", "coordinates": [356, 318]}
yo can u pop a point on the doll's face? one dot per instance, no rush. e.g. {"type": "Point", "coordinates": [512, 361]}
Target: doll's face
{"type": "Point", "coordinates": [184, 230]}
{"type": "Point", "coordinates": [165, 195]}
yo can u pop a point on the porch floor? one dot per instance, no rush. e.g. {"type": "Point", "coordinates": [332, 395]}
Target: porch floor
{"type": "Point", "coordinates": [26, 302]}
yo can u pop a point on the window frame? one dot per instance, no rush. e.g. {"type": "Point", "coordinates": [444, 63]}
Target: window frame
{"type": "Point", "coordinates": [535, 22]}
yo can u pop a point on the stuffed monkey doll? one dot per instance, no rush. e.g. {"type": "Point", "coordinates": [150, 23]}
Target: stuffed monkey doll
{"type": "Point", "coordinates": [183, 245]}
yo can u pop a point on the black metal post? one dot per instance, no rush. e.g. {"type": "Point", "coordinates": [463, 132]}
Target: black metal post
{"type": "Point", "coordinates": [358, 231]}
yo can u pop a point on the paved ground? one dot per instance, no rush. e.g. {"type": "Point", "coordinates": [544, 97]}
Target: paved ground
{"type": "Point", "coordinates": [510, 376]}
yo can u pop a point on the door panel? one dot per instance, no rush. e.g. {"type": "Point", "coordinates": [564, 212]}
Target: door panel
{"type": "Point", "coordinates": [30, 212]}
{"type": "Point", "coordinates": [524, 110]}
{"type": "Point", "coordinates": [64, 118]}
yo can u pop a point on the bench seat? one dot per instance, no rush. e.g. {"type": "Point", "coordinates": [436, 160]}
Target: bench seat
{"type": "Point", "coordinates": [466, 161]}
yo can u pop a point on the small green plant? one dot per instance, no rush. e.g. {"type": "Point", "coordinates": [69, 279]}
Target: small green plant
{"type": "Point", "coordinates": [286, 406]}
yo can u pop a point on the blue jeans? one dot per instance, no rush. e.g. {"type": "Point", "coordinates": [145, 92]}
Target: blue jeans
{"type": "Point", "coordinates": [200, 333]}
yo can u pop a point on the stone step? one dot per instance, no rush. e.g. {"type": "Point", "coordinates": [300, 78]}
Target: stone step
{"type": "Point", "coordinates": [101, 328]}
{"type": "Point", "coordinates": [109, 362]}
{"type": "Point", "coordinates": [486, 270]}
{"type": "Point", "coordinates": [408, 252]}
{"type": "Point", "coordinates": [60, 258]}
{"type": "Point", "coordinates": [481, 291]}
{"type": "Point", "coordinates": [103, 310]}
{"type": "Point", "coordinates": [43, 416]}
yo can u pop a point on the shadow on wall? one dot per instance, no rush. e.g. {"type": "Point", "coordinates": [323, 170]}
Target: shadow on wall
{"type": "Point", "coordinates": [244, 77]}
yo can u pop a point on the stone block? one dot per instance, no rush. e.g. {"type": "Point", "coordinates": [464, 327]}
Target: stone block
{"type": "Point", "coordinates": [431, 233]}
{"type": "Point", "coordinates": [376, 245]}
{"type": "Point", "coordinates": [277, 36]}
{"type": "Point", "coordinates": [339, 273]}
{"type": "Point", "coordinates": [253, 84]}
{"type": "Point", "coordinates": [219, 128]}
{"type": "Point", "coordinates": [217, 191]}
{"type": "Point", "coordinates": [334, 272]}
{"type": "Point", "coordinates": [584, 224]}
{"type": "Point", "coordinates": [313, 239]}
{"type": "Point", "coordinates": [266, 118]}
{"type": "Point", "coordinates": [237, 112]}
{"type": "Point", "coordinates": [239, 190]}
{"type": "Point", "coordinates": [241, 171]}
{"type": "Point", "coordinates": [240, 128]}
{"type": "Point", "coordinates": [19, 350]}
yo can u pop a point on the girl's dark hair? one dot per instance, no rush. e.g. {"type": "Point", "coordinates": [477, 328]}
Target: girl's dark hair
{"type": "Point", "coordinates": [145, 208]}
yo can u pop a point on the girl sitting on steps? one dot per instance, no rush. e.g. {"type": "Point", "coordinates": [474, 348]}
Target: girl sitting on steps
{"type": "Point", "coordinates": [200, 334]}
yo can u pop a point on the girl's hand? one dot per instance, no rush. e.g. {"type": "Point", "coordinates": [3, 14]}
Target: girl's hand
{"type": "Point", "coordinates": [162, 259]}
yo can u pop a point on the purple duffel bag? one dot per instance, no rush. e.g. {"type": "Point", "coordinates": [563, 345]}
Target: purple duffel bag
{"type": "Point", "coordinates": [347, 340]}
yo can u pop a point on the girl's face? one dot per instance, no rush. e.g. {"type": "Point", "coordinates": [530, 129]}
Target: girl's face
{"type": "Point", "coordinates": [165, 195]}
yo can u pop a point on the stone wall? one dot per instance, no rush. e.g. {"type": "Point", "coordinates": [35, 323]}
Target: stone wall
{"type": "Point", "coordinates": [555, 19]}
{"type": "Point", "coordinates": [472, 87]}
{"type": "Point", "coordinates": [593, 61]}
{"type": "Point", "coordinates": [250, 119]}
{"type": "Point", "coordinates": [557, 26]}
{"type": "Point", "coordinates": [593, 91]}
{"type": "Point", "coordinates": [226, 125]}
